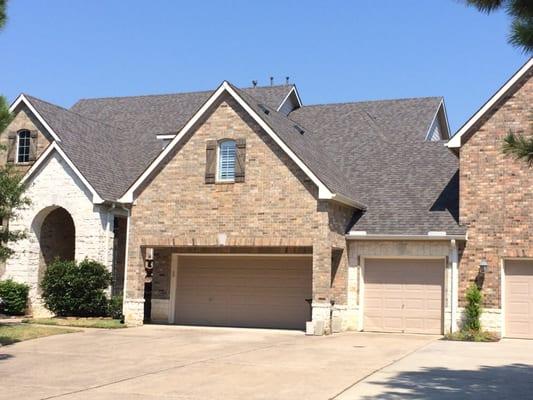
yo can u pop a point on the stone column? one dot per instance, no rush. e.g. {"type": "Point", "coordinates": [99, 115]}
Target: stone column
{"type": "Point", "coordinates": [321, 285]}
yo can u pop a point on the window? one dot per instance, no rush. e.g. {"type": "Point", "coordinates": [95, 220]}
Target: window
{"type": "Point", "coordinates": [226, 161]}
{"type": "Point", "coordinates": [23, 146]}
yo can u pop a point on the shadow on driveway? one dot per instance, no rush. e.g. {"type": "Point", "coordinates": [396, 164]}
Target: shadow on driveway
{"type": "Point", "coordinates": [488, 382]}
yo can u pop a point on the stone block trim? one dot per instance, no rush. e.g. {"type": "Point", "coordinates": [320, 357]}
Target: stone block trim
{"type": "Point", "coordinates": [275, 206]}
{"type": "Point", "coordinates": [496, 201]}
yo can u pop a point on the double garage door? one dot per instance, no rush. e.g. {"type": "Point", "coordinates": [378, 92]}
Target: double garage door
{"type": "Point", "coordinates": [245, 291]}
{"type": "Point", "coordinates": [403, 295]}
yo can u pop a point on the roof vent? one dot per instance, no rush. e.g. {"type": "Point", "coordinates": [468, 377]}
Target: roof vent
{"type": "Point", "coordinates": [299, 129]}
{"type": "Point", "coordinates": [287, 80]}
{"type": "Point", "coordinates": [271, 81]}
{"type": "Point", "coordinates": [264, 109]}
{"type": "Point", "coordinates": [254, 83]}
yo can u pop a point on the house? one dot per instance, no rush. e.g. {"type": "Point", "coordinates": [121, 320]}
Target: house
{"type": "Point", "coordinates": [496, 206]}
{"type": "Point", "coordinates": [244, 207]}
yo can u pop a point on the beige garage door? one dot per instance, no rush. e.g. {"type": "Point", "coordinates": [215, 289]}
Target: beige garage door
{"type": "Point", "coordinates": [247, 291]}
{"type": "Point", "coordinates": [519, 299]}
{"type": "Point", "coordinates": [403, 295]}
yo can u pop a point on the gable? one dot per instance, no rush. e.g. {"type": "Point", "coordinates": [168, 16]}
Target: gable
{"type": "Point", "coordinates": [500, 97]}
{"type": "Point", "coordinates": [24, 119]}
{"type": "Point", "coordinates": [275, 189]}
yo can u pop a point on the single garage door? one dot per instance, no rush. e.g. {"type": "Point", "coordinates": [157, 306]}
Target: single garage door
{"type": "Point", "coordinates": [246, 291]}
{"type": "Point", "coordinates": [519, 299]}
{"type": "Point", "coordinates": [403, 295]}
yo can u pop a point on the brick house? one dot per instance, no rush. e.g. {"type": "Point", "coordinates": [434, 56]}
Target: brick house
{"type": "Point", "coordinates": [243, 207]}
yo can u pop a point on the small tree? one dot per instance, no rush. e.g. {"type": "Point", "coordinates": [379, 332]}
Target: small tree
{"type": "Point", "coordinates": [519, 146]}
{"type": "Point", "coordinates": [71, 289]}
{"type": "Point", "coordinates": [473, 309]}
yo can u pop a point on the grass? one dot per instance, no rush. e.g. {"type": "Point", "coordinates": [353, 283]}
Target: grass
{"type": "Point", "coordinates": [472, 336]}
{"type": "Point", "coordinates": [13, 332]}
{"type": "Point", "coordinates": [102, 323]}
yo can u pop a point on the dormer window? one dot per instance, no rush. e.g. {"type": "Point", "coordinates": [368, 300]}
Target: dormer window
{"type": "Point", "coordinates": [226, 161]}
{"type": "Point", "coordinates": [23, 146]}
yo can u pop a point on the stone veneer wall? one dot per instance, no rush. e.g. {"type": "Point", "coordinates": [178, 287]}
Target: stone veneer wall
{"type": "Point", "coordinates": [495, 194]}
{"type": "Point", "coordinates": [24, 119]}
{"type": "Point", "coordinates": [56, 185]}
{"type": "Point", "coordinates": [275, 206]}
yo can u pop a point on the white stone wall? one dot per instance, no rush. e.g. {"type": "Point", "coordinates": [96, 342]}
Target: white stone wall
{"type": "Point", "coordinates": [56, 185]}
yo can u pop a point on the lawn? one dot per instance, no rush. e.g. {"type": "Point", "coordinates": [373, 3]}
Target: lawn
{"type": "Point", "coordinates": [102, 323]}
{"type": "Point", "coordinates": [14, 332]}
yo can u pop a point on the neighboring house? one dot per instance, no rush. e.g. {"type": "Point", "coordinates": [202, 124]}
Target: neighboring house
{"type": "Point", "coordinates": [243, 207]}
{"type": "Point", "coordinates": [496, 198]}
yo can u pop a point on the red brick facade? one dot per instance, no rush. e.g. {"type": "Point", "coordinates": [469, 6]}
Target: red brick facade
{"type": "Point", "coordinates": [496, 196]}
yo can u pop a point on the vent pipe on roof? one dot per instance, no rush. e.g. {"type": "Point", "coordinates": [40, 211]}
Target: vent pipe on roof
{"type": "Point", "coordinates": [271, 81]}
{"type": "Point", "coordinates": [254, 83]}
{"type": "Point", "coordinates": [286, 80]}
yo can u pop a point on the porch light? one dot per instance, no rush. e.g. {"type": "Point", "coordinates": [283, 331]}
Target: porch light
{"type": "Point", "coordinates": [483, 266]}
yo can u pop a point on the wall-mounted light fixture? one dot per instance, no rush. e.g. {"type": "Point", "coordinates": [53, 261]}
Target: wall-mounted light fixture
{"type": "Point", "coordinates": [483, 266]}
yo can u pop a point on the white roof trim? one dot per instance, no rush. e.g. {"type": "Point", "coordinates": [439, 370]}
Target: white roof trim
{"type": "Point", "coordinates": [436, 119]}
{"type": "Point", "coordinates": [23, 99]}
{"type": "Point", "coordinates": [323, 191]}
{"type": "Point", "coordinates": [355, 235]}
{"type": "Point", "coordinates": [96, 199]}
{"type": "Point", "coordinates": [295, 91]}
{"type": "Point", "coordinates": [455, 141]}
{"type": "Point", "coordinates": [166, 136]}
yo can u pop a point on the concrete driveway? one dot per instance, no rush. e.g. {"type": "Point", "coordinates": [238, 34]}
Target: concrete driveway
{"type": "Point", "coordinates": [170, 362]}
{"type": "Point", "coordinates": [454, 370]}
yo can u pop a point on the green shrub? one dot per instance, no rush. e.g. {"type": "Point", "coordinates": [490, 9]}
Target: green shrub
{"type": "Point", "coordinates": [78, 290]}
{"type": "Point", "coordinates": [13, 297]}
{"type": "Point", "coordinates": [114, 307]}
{"type": "Point", "coordinates": [473, 309]}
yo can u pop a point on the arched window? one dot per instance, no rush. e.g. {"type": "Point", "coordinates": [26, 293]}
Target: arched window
{"type": "Point", "coordinates": [226, 161]}
{"type": "Point", "coordinates": [23, 146]}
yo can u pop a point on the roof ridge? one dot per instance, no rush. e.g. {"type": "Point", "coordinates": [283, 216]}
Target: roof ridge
{"type": "Point", "coordinates": [169, 94]}
{"type": "Point", "coordinates": [370, 101]}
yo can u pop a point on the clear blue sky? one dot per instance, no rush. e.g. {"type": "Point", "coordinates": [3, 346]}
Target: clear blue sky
{"type": "Point", "coordinates": [335, 51]}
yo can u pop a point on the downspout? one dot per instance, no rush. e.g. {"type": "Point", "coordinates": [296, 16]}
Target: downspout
{"type": "Point", "coordinates": [126, 257]}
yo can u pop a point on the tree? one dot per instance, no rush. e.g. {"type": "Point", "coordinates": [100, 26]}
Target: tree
{"type": "Point", "coordinates": [519, 146]}
{"type": "Point", "coordinates": [521, 12]}
{"type": "Point", "coordinates": [3, 15]}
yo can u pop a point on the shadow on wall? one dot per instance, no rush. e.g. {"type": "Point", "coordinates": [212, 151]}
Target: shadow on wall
{"type": "Point", "coordinates": [489, 382]}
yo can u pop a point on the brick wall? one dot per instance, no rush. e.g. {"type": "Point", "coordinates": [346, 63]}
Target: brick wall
{"type": "Point", "coordinates": [275, 206]}
{"type": "Point", "coordinates": [495, 194]}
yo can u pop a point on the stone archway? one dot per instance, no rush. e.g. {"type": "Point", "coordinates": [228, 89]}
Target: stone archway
{"type": "Point", "coordinates": [56, 235]}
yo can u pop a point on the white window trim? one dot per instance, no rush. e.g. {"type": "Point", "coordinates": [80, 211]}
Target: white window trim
{"type": "Point", "coordinates": [218, 177]}
{"type": "Point", "coordinates": [17, 147]}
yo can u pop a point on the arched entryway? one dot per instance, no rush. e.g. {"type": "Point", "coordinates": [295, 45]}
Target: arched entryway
{"type": "Point", "coordinates": [56, 234]}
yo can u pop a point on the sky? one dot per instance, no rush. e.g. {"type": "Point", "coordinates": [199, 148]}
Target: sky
{"type": "Point", "coordinates": [334, 51]}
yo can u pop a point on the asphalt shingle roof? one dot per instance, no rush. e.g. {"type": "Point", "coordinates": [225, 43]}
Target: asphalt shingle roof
{"type": "Point", "coordinates": [373, 153]}
{"type": "Point", "coordinates": [410, 185]}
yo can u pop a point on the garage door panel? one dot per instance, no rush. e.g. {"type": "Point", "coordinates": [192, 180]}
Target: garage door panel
{"type": "Point", "coordinates": [244, 291]}
{"type": "Point", "coordinates": [519, 298]}
{"type": "Point", "coordinates": [410, 293]}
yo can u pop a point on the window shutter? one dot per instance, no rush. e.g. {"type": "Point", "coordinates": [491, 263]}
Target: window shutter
{"type": "Point", "coordinates": [33, 146]}
{"type": "Point", "coordinates": [11, 147]}
{"type": "Point", "coordinates": [210, 161]}
{"type": "Point", "coordinates": [240, 160]}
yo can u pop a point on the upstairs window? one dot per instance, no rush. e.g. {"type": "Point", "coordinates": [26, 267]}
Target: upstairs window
{"type": "Point", "coordinates": [226, 161]}
{"type": "Point", "coordinates": [23, 146]}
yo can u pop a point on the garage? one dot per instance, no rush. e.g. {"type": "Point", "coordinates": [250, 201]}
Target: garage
{"type": "Point", "coordinates": [519, 299]}
{"type": "Point", "coordinates": [244, 291]}
{"type": "Point", "coordinates": [403, 295]}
